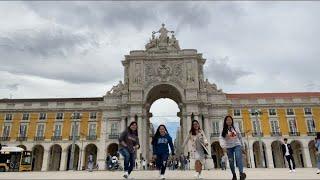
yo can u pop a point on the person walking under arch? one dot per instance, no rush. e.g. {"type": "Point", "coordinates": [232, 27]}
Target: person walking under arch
{"type": "Point", "coordinates": [160, 144]}
{"type": "Point", "coordinates": [232, 144]}
{"type": "Point", "coordinates": [287, 153]}
{"type": "Point", "coordinates": [129, 143]}
{"type": "Point", "coordinates": [197, 145]}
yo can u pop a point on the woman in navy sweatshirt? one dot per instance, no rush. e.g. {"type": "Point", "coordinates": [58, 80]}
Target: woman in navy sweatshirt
{"type": "Point", "coordinates": [160, 143]}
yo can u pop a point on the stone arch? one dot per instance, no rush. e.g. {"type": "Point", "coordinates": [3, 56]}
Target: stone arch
{"type": "Point", "coordinates": [277, 155]}
{"type": "Point", "coordinates": [76, 157]}
{"type": "Point", "coordinates": [157, 85]}
{"type": "Point", "coordinates": [37, 157]}
{"type": "Point", "coordinates": [313, 153]}
{"type": "Point", "coordinates": [113, 149]}
{"type": "Point", "coordinates": [90, 149]}
{"type": "Point", "coordinates": [258, 160]}
{"type": "Point", "coordinates": [216, 154]}
{"type": "Point", "coordinates": [55, 157]}
{"type": "Point", "coordinates": [298, 156]}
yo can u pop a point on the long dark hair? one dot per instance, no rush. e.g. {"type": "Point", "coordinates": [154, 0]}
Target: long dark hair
{"type": "Point", "coordinates": [225, 126]}
{"type": "Point", "coordinates": [318, 136]}
{"type": "Point", "coordinates": [192, 130]}
{"type": "Point", "coordinates": [129, 129]}
{"type": "Point", "coordinates": [157, 134]}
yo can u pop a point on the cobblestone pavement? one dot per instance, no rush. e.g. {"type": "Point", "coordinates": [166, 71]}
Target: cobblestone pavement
{"type": "Point", "coordinates": [306, 173]}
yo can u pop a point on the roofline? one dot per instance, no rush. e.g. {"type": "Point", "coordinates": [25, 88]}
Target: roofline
{"type": "Point", "coordinates": [271, 95]}
{"type": "Point", "coordinates": [51, 100]}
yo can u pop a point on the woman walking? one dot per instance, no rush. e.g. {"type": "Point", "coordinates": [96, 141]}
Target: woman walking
{"type": "Point", "coordinates": [160, 143]}
{"type": "Point", "coordinates": [232, 144]}
{"type": "Point", "coordinates": [129, 143]}
{"type": "Point", "coordinates": [197, 144]}
{"type": "Point", "coordinates": [317, 144]}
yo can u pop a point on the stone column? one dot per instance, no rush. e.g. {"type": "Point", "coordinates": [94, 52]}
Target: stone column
{"type": "Point", "coordinates": [63, 161]}
{"type": "Point", "coordinates": [306, 153]}
{"type": "Point", "coordinates": [141, 137]}
{"type": "Point", "coordinates": [45, 160]}
{"type": "Point", "coordinates": [187, 128]}
{"type": "Point", "coordinates": [82, 152]}
{"type": "Point", "coordinates": [251, 155]}
{"type": "Point", "coordinates": [269, 162]}
{"type": "Point", "coordinates": [101, 154]}
{"type": "Point", "coordinates": [132, 118]}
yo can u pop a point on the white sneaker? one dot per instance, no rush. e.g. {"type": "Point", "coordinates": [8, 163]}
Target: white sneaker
{"type": "Point", "coordinates": [197, 176]}
{"type": "Point", "coordinates": [200, 176]}
{"type": "Point", "coordinates": [126, 175]}
{"type": "Point", "coordinates": [294, 170]}
{"type": "Point", "coordinates": [318, 171]}
{"type": "Point", "coordinates": [162, 177]}
{"type": "Point", "coordinates": [290, 171]}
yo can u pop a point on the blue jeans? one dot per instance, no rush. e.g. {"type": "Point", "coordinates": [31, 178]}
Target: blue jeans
{"type": "Point", "coordinates": [161, 162]}
{"type": "Point", "coordinates": [235, 151]}
{"type": "Point", "coordinates": [318, 160]}
{"type": "Point", "coordinates": [129, 159]}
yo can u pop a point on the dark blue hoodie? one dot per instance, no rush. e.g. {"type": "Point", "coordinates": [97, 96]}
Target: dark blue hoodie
{"type": "Point", "coordinates": [160, 145]}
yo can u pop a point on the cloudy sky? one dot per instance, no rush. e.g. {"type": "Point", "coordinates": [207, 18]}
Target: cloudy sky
{"type": "Point", "coordinates": [74, 49]}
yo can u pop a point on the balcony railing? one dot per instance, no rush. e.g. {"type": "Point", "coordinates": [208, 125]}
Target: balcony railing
{"type": "Point", "coordinates": [215, 134]}
{"type": "Point", "coordinates": [22, 138]}
{"type": "Point", "coordinates": [312, 133]}
{"type": "Point", "coordinates": [276, 134]}
{"type": "Point", "coordinates": [4, 138]}
{"type": "Point", "coordinates": [92, 137]}
{"type": "Point", "coordinates": [76, 137]}
{"type": "Point", "coordinates": [39, 138]}
{"type": "Point", "coordinates": [294, 133]}
{"type": "Point", "coordinates": [114, 136]}
{"type": "Point", "coordinates": [256, 134]}
{"type": "Point", "coordinates": [56, 138]}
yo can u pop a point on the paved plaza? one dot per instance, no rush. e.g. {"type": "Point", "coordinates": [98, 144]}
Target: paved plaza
{"type": "Point", "coordinates": [306, 173]}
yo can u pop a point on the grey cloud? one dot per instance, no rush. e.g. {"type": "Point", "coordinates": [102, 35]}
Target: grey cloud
{"type": "Point", "coordinates": [221, 71]}
{"type": "Point", "coordinates": [10, 86]}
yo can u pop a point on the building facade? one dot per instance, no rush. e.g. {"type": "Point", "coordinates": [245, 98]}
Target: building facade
{"type": "Point", "coordinates": [162, 70]}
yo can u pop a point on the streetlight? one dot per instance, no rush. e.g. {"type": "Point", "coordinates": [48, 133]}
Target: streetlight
{"type": "Point", "coordinates": [73, 117]}
{"type": "Point", "coordinates": [257, 112]}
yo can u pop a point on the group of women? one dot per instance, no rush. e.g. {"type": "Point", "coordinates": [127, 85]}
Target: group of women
{"type": "Point", "coordinates": [196, 144]}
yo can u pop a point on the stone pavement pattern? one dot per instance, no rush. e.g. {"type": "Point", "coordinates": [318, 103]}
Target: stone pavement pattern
{"type": "Point", "coordinates": [306, 173]}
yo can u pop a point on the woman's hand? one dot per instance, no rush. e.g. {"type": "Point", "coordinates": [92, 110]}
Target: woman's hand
{"type": "Point", "coordinates": [224, 151]}
{"type": "Point", "coordinates": [154, 156]}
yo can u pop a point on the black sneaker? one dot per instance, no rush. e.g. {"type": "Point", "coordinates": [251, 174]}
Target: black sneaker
{"type": "Point", "coordinates": [243, 176]}
{"type": "Point", "coordinates": [125, 176]}
{"type": "Point", "coordinates": [234, 177]}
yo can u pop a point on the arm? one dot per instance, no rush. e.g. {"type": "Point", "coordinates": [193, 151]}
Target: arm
{"type": "Point", "coordinates": [122, 138]}
{"type": "Point", "coordinates": [205, 140]}
{"type": "Point", "coordinates": [240, 137]}
{"type": "Point", "coordinates": [153, 147]}
{"type": "Point", "coordinates": [222, 141]}
{"type": "Point", "coordinates": [171, 145]}
{"type": "Point", "coordinates": [186, 141]}
{"type": "Point", "coordinates": [138, 142]}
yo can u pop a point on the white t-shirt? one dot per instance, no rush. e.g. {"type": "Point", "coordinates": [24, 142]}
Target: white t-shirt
{"type": "Point", "coordinates": [287, 150]}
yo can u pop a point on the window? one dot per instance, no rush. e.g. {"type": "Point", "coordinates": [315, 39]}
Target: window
{"type": "Point", "coordinates": [272, 112]}
{"type": "Point", "coordinates": [59, 116]}
{"type": "Point", "coordinates": [290, 111]}
{"type": "Point", "coordinates": [8, 117]}
{"type": "Point", "coordinates": [307, 111]}
{"type": "Point", "coordinates": [75, 129]}
{"type": "Point", "coordinates": [40, 130]}
{"type": "Point", "coordinates": [236, 112]}
{"type": "Point", "coordinates": [238, 124]}
{"type": "Point", "coordinates": [23, 130]}
{"type": "Point", "coordinates": [42, 116]}
{"type": "Point", "coordinates": [292, 124]}
{"type": "Point", "coordinates": [215, 127]}
{"type": "Point", "coordinates": [92, 129]}
{"type": "Point", "coordinates": [255, 112]}
{"type": "Point", "coordinates": [93, 115]}
{"type": "Point", "coordinates": [57, 130]}
{"type": "Point", "coordinates": [114, 128]}
{"type": "Point", "coordinates": [256, 127]}
{"type": "Point", "coordinates": [274, 125]}
{"type": "Point", "coordinates": [25, 116]}
{"type": "Point", "coordinates": [6, 130]}
{"type": "Point", "coordinates": [311, 125]}
{"type": "Point", "coordinates": [76, 115]}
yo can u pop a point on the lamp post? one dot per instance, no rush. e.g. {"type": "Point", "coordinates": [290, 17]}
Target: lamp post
{"type": "Point", "coordinates": [257, 112]}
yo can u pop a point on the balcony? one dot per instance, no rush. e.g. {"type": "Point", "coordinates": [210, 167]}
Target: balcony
{"type": "Point", "coordinates": [4, 138]}
{"type": "Point", "coordinates": [312, 133]}
{"type": "Point", "coordinates": [114, 136]}
{"type": "Point", "coordinates": [22, 138]}
{"type": "Point", "coordinates": [92, 137]}
{"type": "Point", "coordinates": [56, 138]}
{"type": "Point", "coordinates": [39, 138]}
{"type": "Point", "coordinates": [274, 134]}
{"type": "Point", "coordinates": [294, 133]}
{"type": "Point", "coordinates": [256, 134]}
{"type": "Point", "coordinates": [76, 137]}
{"type": "Point", "coordinates": [215, 134]}
{"type": "Point", "coordinates": [243, 134]}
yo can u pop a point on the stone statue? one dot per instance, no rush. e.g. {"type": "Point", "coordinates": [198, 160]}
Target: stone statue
{"type": "Point", "coordinates": [163, 33]}
{"type": "Point", "coordinates": [163, 42]}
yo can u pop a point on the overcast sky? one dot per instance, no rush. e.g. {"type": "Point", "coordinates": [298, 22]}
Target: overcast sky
{"type": "Point", "coordinates": [75, 49]}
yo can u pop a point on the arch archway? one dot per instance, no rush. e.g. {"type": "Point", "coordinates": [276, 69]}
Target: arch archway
{"type": "Point", "coordinates": [55, 157]}
{"type": "Point", "coordinates": [37, 157]}
{"type": "Point", "coordinates": [90, 149]}
{"type": "Point", "coordinates": [313, 153]}
{"type": "Point", "coordinates": [76, 157]}
{"type": "Point", "coordinates": [277, 155]}
{"type": "Point", "coordinates": [216, 154]}
{"type": "Point", "coordinates": [298, 156]}
{"type": "Point", "coordinates": [260, 162]}
{"type": "Point", "coordinates": [112, 149]}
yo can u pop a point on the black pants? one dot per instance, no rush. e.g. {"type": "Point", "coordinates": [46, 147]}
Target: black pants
{"type": "Point", "coordinates": [162, 162]}
{"type": "Point", "coordinates": [293, 164]}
